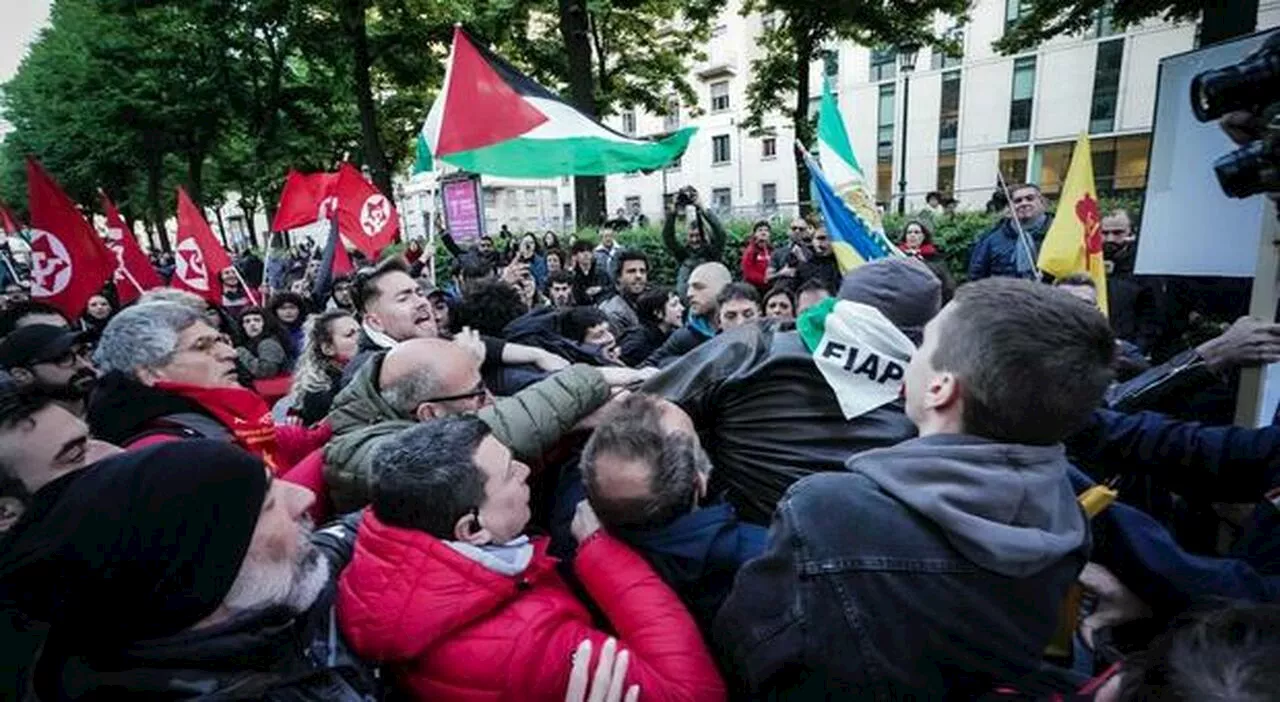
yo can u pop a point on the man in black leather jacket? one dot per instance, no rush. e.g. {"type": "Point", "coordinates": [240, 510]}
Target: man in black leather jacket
{"type": "Point", "coordinates": [766, 414]}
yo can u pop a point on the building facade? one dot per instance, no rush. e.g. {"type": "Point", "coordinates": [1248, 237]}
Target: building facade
{"type": "Point", "coordinates": [968, 117]}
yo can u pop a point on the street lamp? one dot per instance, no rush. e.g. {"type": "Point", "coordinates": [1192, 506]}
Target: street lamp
{"type": "Point", "coordinates": [906, 64]}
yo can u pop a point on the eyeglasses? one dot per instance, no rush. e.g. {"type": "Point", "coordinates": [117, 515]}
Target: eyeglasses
{"type": "Point", "coordinates": [478, 391]}
{"type": "Point", "coordinates": [69, 358]}
{"type": "Point", "coordinates": [207, 344]}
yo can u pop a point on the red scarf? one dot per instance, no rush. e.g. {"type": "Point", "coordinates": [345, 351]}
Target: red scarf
{"type": "Point", "coordinates": [242, 411]}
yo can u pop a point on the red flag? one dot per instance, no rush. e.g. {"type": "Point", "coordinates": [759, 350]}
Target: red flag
{"type": "Point", "coordinates": [342, 261]}
{"type": "Point", "coordinates": [365, 216]}
{"type": "Point", "coordinates": [9, 221]}
{"type": "Point", "coordinates": [133, 272]}
{"type": "Point", "coordinates": [198, 257]}
{"type": "Point", "coordinates": [307, 198]}
{"type": "Point", "coordinates": [69, 262]}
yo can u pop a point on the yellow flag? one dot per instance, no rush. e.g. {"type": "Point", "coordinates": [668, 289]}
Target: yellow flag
{"type": "Point", "coordinates": [1074, 242]}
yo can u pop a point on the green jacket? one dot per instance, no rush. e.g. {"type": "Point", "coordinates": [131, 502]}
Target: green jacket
{"type": "Point", "coordinates": [528, 423]}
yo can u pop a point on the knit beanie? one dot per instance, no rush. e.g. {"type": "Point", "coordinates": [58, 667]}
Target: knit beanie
{"type": "Point", "coordinates": [141, 545]}
{"type": "Point", "coordinates": [902, 288]}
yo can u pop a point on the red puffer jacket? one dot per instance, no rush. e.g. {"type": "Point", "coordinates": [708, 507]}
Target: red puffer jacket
{"type": "Point", "coordinates": [451, 629]}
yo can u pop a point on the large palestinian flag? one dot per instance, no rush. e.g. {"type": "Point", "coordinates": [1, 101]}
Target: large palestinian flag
{"type": "Point", "coordinates": [492, 119]}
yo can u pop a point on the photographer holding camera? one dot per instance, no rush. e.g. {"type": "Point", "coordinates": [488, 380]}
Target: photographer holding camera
{"type": "Point", "coordinates": [786, 259]}
{"type": "Point", "coordinates": [696, 250]}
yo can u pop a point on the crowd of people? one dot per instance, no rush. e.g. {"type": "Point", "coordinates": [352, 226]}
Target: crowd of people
{"type": "Point", "coordinates": [539, 466]}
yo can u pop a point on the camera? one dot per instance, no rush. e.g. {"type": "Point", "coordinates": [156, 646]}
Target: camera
{"type": "Point", "coordinates": [686, 196]}
{"type": "Point", "coordinates": [1250, 86]}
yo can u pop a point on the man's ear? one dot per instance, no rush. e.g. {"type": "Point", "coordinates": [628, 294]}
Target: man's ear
{"type": "Point", "coordinates": [22, 376]}
{"type": "Point", "coordinates": [147, 377]}
{"type": "Point", "coordinates": [468, 530]}
{"type": "Point", "coordinates": [374, 322]}
{"type": "Point", "coordinates": [943, 391]}
{"type": "Point", "coordinates": [427, 411]}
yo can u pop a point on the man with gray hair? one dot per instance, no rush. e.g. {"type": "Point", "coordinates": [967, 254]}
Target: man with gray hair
{"type": "Point", "coordinates": [646, 477]}
{"type": "Point", "coordinates": [168, 375]}
{"type": "Point", "coordinates": [420, 380]}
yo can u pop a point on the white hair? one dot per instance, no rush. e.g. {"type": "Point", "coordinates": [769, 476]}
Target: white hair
{"type": "Point", "coordinates": [173, 295]}
{"type": "Point", "coordinates": [143, 336]}
{"type": "Point", "coordinates": [263, 583]}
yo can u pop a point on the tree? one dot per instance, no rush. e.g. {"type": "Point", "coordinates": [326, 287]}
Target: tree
{"type": "Point", "coordinates": [803, 28]}
{"type": "Point", "coordinates": [1049, 18]}
{"type": "Point", "coordinates": [611, 54]}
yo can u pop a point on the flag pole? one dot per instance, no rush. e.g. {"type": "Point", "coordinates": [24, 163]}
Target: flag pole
{"type": "Point", "coordinates": [1023, 237]}
{"type": "Point", "coordinates": [4, 255]}
{"type": "Point", "coordinates": [252, 300]}
{"type": "Point", "coordinates": [132, 281]}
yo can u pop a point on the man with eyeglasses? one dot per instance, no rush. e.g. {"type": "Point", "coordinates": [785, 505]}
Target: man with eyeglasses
{"type": "Point", "coordinates": [167, 375]}
{"type": "Point", "coordinates": [422, 380]}
{"type": "Point", "coordinates": [1001, 252]}
{"type": "Point", "coordinates": [52, 361]}
{"type": "Point", "coordinates": [786, 259]}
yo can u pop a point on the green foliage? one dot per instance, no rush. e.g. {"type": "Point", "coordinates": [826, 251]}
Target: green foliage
{"type": "Point", "coordinates": [804, 28]}
{"type": "Point", "coordinates": [1050, 18]}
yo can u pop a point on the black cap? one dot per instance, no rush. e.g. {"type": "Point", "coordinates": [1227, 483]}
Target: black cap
{"type": "Point", "coordinates": [37, 343]}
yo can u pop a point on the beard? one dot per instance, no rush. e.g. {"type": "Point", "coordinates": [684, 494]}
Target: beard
{"type": "Point", "coordinates": [76, 388]}
{"type": "Point", "coordinates": [295, 584]}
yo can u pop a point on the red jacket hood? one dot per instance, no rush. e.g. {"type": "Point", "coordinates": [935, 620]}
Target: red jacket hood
{"type": "Point", "coordinates": [414, 590]}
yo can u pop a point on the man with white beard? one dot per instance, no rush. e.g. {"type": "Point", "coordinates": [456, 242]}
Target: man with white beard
{"type": "Point", "coordinates": [177, 571]}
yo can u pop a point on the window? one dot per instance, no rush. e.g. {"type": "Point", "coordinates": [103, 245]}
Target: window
{"type": "Point", "coordinates": [633, 204]}
{"type": "Point", "coordinates": [884, 123]}
{"type": "Point", "coordinates": [815, 105]}
{"type": "Point", "coordinates": [940, 59]}
{"type": "Point", "coordinates": [530, 197]}
{"type": "Point", "coordinates": [629, 122]}
{"type": "Point", "coordinates": [884, 64]}
{"type": "Point", "coordinates": [769, 147]}
{"type": "Point", "coordinates": [1106, 86]}
{"type": "Point", "coordinates": [831, 63]}
{"type": "Point", "coordinates": [1024, 84]}
{"type": "Point", "coordinates": [719, 30]}
{"type": "Point", "coordinates": [769, 196]}
{"type": "Point", "coordinates": [671, 120]}
{"type": "Point", "coordinates": [720, 96]}
{"type": "Point", "coordinates": [490, 199]}
{"type": "Point", "coordinates": [1119, 163]}
{"type": "Point", "coordinates": [668, 202]}
{"type": "Point", "coordinates": [1015, 10]}
{"type": "Point", "coordinates": [946, 173]}
{"type": "Point", "coordinates": [949, 113]}
{"type": "Point", "coordinates": [675, 165]}
{"type": "Point", "coordinates": [768, 22]}
{"type": "Point", "coordinates": [720, 149]}
{"type": "Point", "coordinates": [884, 181]}
{"type": "Point", "coordinates": [722, 200]}
{"type": "Point", "coordinates": [1013, 165]}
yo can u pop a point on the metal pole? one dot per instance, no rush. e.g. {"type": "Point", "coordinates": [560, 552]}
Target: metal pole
{"type": "Point", "coordinates": [902, 172]}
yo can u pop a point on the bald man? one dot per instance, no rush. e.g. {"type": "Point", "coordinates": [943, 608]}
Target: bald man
{"type": "Point", "coordinates": [424, 379]}
{"type": "Point", "coordinates": [705, 283]}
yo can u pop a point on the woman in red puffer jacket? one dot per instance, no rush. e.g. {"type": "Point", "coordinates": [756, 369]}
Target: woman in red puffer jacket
{"type": "Point", "coordinates": [484, 615]}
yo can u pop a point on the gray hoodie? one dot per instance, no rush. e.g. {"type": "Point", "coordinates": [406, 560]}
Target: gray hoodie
{"type": "Point", "coordinates": [1008, 508]}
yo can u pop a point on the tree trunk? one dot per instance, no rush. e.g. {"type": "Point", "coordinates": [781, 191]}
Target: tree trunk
{"type": "Point", "coordinates": [1230, 20]}
{"type": "Point", "coordinates": [222, 229]}
{"type": "Point", "coordinates": [800, 115]}
{"type": "Point", "coordinates": [249, 224]}
{"type": "Point", "coordinates": [575, 33]}
{"type": "Point", "coordinates": [195, 177]}
{"type": "Point", "coordinates": [155, 210]}
{"type": "Point", "coordinates": [362, 61]}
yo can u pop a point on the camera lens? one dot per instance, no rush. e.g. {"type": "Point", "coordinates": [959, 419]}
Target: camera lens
{"type": "Point", "coordinates": [1246, 171]}
{"type": "Point", "coordinates": [1253, 81]}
